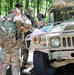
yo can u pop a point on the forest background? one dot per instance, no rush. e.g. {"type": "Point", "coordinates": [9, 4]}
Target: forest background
{"type": "Point", "coordinates": [37, 5]}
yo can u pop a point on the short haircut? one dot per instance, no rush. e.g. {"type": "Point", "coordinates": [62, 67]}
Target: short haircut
{"type": "Point", "coordinates": [18, 5]}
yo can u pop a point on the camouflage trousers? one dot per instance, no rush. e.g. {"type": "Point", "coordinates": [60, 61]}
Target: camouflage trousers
{"type": "Point", "coordinates": [24, 53]}
{"type": "Point", "coordinates": [9, 56]}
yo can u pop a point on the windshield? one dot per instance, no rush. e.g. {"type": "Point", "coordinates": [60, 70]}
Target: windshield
{"type": "Point", "coordinates": [61, 14]}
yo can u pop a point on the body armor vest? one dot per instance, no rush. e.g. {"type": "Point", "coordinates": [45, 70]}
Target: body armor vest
{"type": "Point", "coordinates": [7, 34]}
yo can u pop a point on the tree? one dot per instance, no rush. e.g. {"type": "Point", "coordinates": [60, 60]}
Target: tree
{"type": "Point", "coordinates": [27, 4]}
{"type": "Point", "coordinates": [38, 5]}
{"type": "Point", "coordinates": [0, 7]}
{"type": "Point", "coordinates": [11, 4]}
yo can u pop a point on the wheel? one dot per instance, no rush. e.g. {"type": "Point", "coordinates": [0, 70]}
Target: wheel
{"type": "Point", "coordinates": [66, 70]}
{"type": "Point", "coordinates": [41, 64]}
{"type": "Point", "coordinates": [69, 69]}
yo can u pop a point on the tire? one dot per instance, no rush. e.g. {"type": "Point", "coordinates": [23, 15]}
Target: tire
{"type": "Point", "coordinates": [69, 69]}
{"type": "Point", "coordinates": [41, 64]}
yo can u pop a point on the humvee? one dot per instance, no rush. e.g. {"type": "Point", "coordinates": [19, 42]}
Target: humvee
{"type": "Point", "coordinates": [54, 50]}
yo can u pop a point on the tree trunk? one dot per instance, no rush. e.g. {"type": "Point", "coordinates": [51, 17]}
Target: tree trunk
{"type": "Point", "coordinates": [38, 7]}
{"type": "Point", "coordinates": [27, 4]}
{"type": "Point", "coordinates": [34, 8]}
{"type": "Point", "coordinates": [11, 4]}
{"type": "Point", "coordinates": [0, 8]}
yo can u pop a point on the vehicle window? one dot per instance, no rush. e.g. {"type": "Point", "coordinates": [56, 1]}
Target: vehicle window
{"type": "Point", "coordinates": [62, 14]}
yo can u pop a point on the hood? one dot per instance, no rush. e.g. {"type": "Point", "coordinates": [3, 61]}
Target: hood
{"type": "Point", "coordinates": [53, 30]}
{"type": "Point", "coordinates": [65, 26]}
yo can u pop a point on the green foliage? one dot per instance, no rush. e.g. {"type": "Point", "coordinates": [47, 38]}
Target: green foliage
{"type": "Point", "coordinates": [38, 5]}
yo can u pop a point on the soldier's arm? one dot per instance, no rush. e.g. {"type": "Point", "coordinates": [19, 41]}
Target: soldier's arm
{"type": "Point", "coordinates": [33, 20]}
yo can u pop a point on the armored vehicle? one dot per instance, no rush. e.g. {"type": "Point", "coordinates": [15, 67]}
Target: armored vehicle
{"type": "Point", "coordinates": [54, 50]}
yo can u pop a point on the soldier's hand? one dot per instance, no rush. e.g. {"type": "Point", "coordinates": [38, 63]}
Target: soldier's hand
{"type": "Point", "coordinates": [18, 19]}
{"type": "Point", "coordinates": [25, 28]}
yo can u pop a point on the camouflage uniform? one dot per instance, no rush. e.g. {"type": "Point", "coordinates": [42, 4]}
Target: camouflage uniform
{"type": "Point", "coordinates": [24, 51]}
{"type": "Point", "coordinates": [9, 52]}
{"type": "Point", "coordinates": [29, 13]}
{"type": "Point", "coordinates": [10, 42]}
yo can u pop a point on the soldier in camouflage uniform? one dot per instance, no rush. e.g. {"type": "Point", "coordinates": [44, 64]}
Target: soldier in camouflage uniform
{"type": "Point", "coordinates": [24, 50]}
{"type": "Point", "coordinates": [11, 39]}
{"type": "Point", "coordinates": [30, 14]}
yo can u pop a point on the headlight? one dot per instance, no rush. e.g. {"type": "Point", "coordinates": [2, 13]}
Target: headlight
{"type": "Point", "coordinates": [55, 42]}
{"type": "Point", "coordinates": [36, 40]}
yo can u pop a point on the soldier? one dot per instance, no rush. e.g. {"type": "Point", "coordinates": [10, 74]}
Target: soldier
{"type": "Point", "coordinates": [10, 43]}
{"type": "Point", "coordinates": [40, 16]}
{"type": "Point", "coordinates": [24, 51]}
{"type": "Point", "coordinates": [30, 14]}
{"type": "Point", "coordinates": [7, 51]}
{"type": "Point", "coordinates": [20, 7]}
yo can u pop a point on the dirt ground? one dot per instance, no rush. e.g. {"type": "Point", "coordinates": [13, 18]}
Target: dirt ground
{"type": "Point", "coordinates": [29, 70]}
{"type": "Point", "coordinates": [32, 72]}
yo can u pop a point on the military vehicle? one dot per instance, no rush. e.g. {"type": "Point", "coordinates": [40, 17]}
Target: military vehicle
{"type": "Point", "coordinates": [54, 50]}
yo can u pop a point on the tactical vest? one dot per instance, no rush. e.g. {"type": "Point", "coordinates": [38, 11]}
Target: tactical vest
{"type": "Point", "coordinates": [8, 34]}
